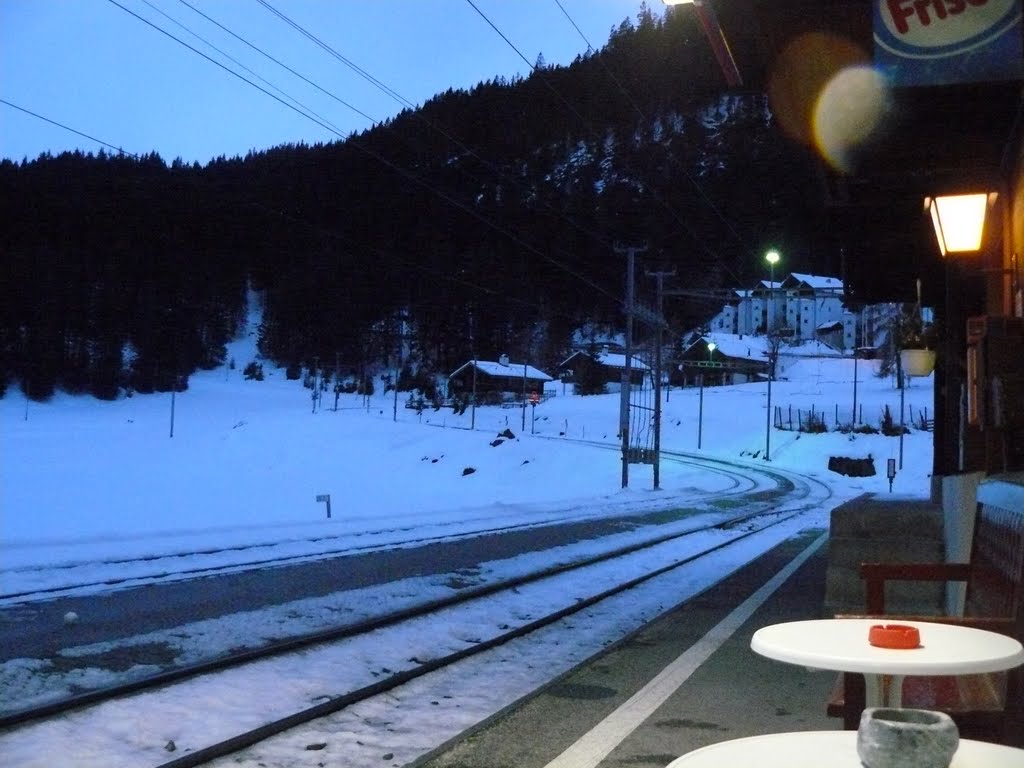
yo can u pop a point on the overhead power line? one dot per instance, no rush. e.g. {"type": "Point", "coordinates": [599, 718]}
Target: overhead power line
{"type": "Point", "coordinates": [347, 62]}
{"type": "Point", "coordinates": [604, 66]}
{"type": "Point", "coordinates": [473, 212]}
{"type": "Point", "coordinates": [533, 69]}
{"type": "Point", "coordinates": [696, 185]}
{"type": "Point", "coordinates": [235, 61]}
{"type": "Point", "coordinates": [402, 100]}
{"type": "Point", "coordinates": [299, 75]}
{"type": "Point", "coordinates": [68, 128]}
{"type": "Point", "coordinates": [409, 264]}
{"type": "Point", "coordinates": [226, 68]}
{"type": "Point", "coordinates": [590, 127]}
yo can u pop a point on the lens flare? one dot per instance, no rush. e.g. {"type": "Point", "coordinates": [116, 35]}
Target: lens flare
{"type": "Point", "coordinates": [851, 109]}
{"type": "Point", "coordinates": [800, 74]}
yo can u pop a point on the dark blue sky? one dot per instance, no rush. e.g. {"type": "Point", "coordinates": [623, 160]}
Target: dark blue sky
{"type": "Point", "coordinates": [94, 67]}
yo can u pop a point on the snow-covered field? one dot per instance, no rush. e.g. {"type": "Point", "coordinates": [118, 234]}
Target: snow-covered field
{"type": "Point", "coordinates": [86, 483]}
{"type": "Point", "coordinates": [85, 480]}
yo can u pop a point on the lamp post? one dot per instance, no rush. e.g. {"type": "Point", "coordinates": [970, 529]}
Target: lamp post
{"type": "Point", "coordinates": [959, 223]}
{"type": "Point", "coordinates": [700, 407]}
{"type": "Point", "coordinates": [773, 355]}
{"type": "Point", "coordinates": [772, 257]}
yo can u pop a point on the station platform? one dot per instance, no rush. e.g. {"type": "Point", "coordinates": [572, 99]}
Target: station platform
{"type": "Point", "coordinates": [684, 681]}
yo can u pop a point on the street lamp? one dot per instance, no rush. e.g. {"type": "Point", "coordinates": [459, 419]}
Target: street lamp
{"type": "Point", "coordinates": [700, 408]}
{"type": "Point", "coordinates": [772, 257]}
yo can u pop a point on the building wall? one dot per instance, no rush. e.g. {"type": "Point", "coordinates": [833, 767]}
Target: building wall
{"type": "Point", "coordinates": [1014, 304]}
{"type": "Point", "coordinates": [799, 311]}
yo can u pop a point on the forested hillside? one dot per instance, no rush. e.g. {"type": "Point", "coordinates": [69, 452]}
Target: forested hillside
{"type": "Point", "coordinates": [486, 221]}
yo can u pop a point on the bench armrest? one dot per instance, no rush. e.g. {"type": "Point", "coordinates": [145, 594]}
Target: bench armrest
{"type": "Point", "coordinates": [876, 574]}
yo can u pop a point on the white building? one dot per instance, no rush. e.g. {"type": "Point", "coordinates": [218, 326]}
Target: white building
{"type": "Point", "coordinates": [810, 306]}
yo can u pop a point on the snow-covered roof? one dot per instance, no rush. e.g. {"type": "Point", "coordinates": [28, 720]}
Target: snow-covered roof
{"type": "Point", "coordinates": [755, 347]}
{"type": "Point", "coordinates": [493, 368]}
{"type": "Point", "coordinates": [616, 360]}
{"type": "Point", "coordinates": [610, 360]}
{"type": "Point", "coordinates": [818, 282]}
{"type": "Point", "coordinates": [732, 345]}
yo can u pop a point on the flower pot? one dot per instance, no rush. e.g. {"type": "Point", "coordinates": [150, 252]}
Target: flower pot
{"type": "Point", "coordinates": [906, 738]}
{"type": "Point", "coordinates": [917, 362]}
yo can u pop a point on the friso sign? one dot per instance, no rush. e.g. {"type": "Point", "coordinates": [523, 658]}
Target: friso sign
{"type": "Point", "coordinates": [935, 41]}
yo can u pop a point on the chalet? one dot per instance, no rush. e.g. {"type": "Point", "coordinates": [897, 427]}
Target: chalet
{"type": "Point", "coordinates": [721, 358]}
{"type": "Point", "coordinates": [496, 382]}
{"type": "Point", "coordinates": [604, 366]}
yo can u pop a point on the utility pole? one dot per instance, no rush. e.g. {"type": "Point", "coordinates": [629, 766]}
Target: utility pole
{"type": "Point", "coordinates": [316, 382]}
{"type": "Point", "coordinates": [659, 278]}
{"type": "Point", "coordinates": [337, 379]}
{"type": "Point", "coordinates": [627, 377]}
{"type": "Point", "coordinates": [524, 397]}
{"type": "Point", "coordinates": [398, 364]}
{"type": "Point", "coordinates": [472, 343]}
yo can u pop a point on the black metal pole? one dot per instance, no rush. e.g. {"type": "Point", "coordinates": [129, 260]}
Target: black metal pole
{"type": "Point", "coordinates": [768, 423]}
{"type": "Point", "coordinates": [700, 411]}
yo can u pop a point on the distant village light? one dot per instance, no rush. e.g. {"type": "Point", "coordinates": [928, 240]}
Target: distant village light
{"type": "Point", "coordinates": [959, 221]}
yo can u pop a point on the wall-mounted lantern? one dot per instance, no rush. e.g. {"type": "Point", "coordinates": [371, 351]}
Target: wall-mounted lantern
{"type": "Point", "coordinates": [959, 221]}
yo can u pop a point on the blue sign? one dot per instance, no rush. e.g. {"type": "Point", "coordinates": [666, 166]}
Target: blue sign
{"type": "Point", "coordinates": [938, 42]}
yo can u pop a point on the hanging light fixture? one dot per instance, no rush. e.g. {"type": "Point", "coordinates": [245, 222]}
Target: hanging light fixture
{"type": "Point", "coordinates": [959, 221]}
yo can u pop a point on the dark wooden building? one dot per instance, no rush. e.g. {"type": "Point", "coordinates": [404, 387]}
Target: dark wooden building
{"type": "Point", "coordinates": [604, 366]}
{"type": "Point", "coordinates": [496, 382]}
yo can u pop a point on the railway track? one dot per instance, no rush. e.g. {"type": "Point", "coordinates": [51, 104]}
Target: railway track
{"type": "Point", "coordinates": [121, 573]}
{"type": "Point", "coordinates": [790, 495]}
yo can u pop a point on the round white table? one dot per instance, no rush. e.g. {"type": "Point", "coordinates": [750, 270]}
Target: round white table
{"type": "Point", "coordinates": [842, 645]}
{"type": "Point", "coordinates": [836, 749]}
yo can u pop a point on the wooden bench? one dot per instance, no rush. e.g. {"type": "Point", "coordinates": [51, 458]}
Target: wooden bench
{"type": "Point", "coordinates": [987, 707]}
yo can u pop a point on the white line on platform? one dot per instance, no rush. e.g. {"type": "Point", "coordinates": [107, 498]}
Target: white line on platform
{"type": "Point", "coordinates": [595, 745]}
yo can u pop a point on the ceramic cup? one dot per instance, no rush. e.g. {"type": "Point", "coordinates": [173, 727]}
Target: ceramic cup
{"type": "Point", "coordinates": [906, 738]}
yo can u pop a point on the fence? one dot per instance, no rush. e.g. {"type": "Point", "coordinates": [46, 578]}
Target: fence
{"type": "Point", "coordinates": [816, 419]}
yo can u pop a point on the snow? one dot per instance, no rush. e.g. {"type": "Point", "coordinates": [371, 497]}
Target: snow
{"type": "Point", "coordinates": [493, 368]}
{"type": "Point", "coordinates": [818, 282]}
{"type": "Point", "coordinates": [87, 483]}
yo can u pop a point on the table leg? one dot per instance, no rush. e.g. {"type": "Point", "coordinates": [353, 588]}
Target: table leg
{"type": "Point", "coordinates": [874, 690]}
{"type": "Point", "coordinates": [894, 696]}
{"type": "Point", "coordinates": [883, 691]}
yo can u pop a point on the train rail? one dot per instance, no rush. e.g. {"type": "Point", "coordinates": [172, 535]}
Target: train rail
{"type": "Point", "coordinates": [124, 572]}
{"type": "Point", "coordinates": [792, 495]}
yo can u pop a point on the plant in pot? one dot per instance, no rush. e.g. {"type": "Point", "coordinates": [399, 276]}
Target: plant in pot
{"type": "Point", "coordinates": [917, 340]}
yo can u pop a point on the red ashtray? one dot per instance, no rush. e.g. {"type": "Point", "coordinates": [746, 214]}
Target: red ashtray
{"type": "Point", "coordinates": [894, 636]}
